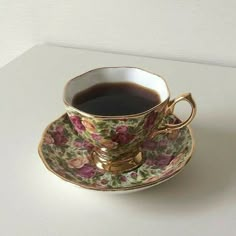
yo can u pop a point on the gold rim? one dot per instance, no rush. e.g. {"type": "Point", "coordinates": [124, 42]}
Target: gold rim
{"type": "Point", "coordinates": [114, 189]}
{"type": "Point", "coordinates": [115, 117]}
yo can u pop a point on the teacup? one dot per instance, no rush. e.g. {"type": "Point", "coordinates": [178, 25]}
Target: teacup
{"type": "Point", "coordinates": [117, 140]}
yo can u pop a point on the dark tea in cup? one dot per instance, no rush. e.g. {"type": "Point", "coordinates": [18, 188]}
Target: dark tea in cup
{"type": "Point", "coordinates": [115, 99]}
{"type": "Point", "coordinates": [116, 109]}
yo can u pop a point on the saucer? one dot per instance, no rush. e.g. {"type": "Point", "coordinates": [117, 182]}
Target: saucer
{"type": "Point", "coordinates": [68, 156]}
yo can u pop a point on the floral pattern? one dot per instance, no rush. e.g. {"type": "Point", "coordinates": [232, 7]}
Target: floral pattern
{"type": "Point", "coordinates": [150, 120]}
{"type": "Point", "coordinates": [77, 162]}
{"type": "Point", "coordinates": [76, 121]}
{"type": "Point", "coordinates": [118, 136]}
{"type": "Point", "coordinates": [87, 171]}
{"type": "Point", "coordinates": [68, 155]}
{"type": "Point", "coordinates": [58, 136]}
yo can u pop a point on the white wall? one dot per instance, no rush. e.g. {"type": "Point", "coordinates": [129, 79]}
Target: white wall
{"type": "Point", "coordinates": [190, 30]}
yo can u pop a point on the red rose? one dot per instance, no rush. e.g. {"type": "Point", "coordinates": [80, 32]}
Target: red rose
{"type": "Point", "coordinates": [160, 161]}
{"type": "Point", "coordinates": [87, 171]}
{"type": "Point", "coordinates": [122, 129]}
{"type": "Point", "coordinates": [76, 121]}
{"type": "Point", "coordinates": [123, 178]}
{"type": "Point", "coordinates": [59, 138]}
{"type": "Point", "coordinates": [134, 175]}
{"type": "Point", "coordinates": [122, 138]}
{"type": "Point", "coordinates": [150, 120]}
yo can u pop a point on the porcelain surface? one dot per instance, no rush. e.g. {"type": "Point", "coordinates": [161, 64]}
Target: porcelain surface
{"type": "Point", "coordinates": [68, 155]}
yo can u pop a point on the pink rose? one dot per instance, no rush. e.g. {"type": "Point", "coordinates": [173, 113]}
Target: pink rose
{"type": "Point", "coordinates": [122, 129]}
{"type": "Point", "coordinates": [87, 171]}
{"type": "Point", "coordinates": [83, 144]}
{"type": "Point", "coordinates": [78, 144]}
{"type": "Point", "coordinates": [77, 162]}
{"type": "Point", "coordinates": [76, 121]}
{"type": "Point", "coordinates": [59, 129]}
{"type": "Point", "coordinates": [96, 137]}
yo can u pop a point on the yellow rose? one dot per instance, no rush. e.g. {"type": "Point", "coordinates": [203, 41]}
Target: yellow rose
{"type": "Point", "coordinates": [48, 139]}
{"type": "Point", "coordinates": [89, 125]}
{"type": "Point", "coordinates": [77, 162]}
{"type": "Point", "coordinates": [108, 143]}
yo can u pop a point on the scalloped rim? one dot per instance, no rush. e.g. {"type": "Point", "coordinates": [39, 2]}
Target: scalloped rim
{"type": "Point", "coordinates": [120, 189]}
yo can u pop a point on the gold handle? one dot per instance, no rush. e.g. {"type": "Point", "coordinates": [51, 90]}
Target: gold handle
{"type": "Point", "coordinates": [184, 97]}
{"type": "Point", "coordinates": [170, 109]}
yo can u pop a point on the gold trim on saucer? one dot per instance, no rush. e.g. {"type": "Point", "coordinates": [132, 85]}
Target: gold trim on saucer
{"type": "Point", "coordinates": [144, 185]}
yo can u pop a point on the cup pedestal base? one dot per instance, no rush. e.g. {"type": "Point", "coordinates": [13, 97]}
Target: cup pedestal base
{"type": "Point", "coordinates": [118, 166]}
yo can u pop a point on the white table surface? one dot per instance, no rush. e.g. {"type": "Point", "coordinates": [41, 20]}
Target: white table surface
{"type": "Point", "coordinates": [199, 201]}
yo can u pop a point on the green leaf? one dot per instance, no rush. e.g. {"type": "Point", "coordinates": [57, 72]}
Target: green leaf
{"type": "Point", "coordinates": [118, 180]}
{"type": "Point", "coordinates": [112, 133]}
{"type": "Point", "coordinates": [131, 130]}
{"type": "Point", "coordinates": [101, 125]}
{"type": "Point", "coordinates": [78, 139]}
{"type": "Point", "coordinates": [142, 173]}
{"type": "Point", "coordinates": [109, 186]}
{"type": "Point", "coordinates": [69, 154]}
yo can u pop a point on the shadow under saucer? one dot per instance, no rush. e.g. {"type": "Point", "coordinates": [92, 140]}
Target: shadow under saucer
{"type": "Point", "coordinates": [202, 185]}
